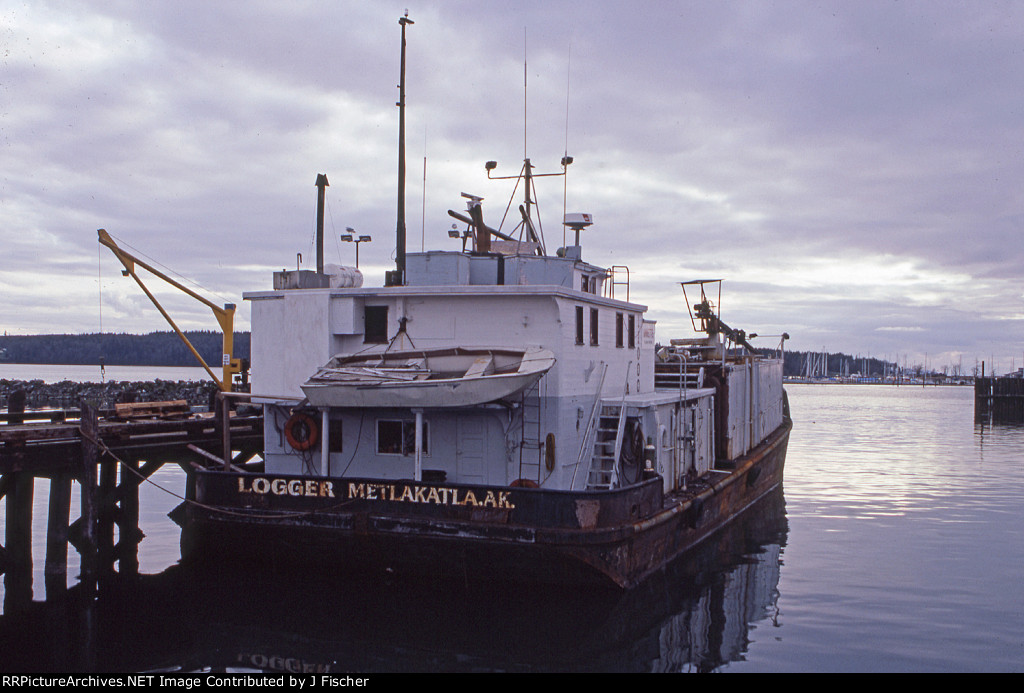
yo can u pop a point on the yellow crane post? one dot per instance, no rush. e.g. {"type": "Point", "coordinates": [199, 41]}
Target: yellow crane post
{"type": "Point", "coordinates": [225, 316]}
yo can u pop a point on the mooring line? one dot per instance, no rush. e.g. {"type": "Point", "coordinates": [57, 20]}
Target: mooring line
{"type": "Point", "coordinates": [212, 508]}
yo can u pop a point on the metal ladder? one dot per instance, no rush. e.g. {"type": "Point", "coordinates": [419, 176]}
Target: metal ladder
{"type": "Point", "coordinates": [531, 431]}
{"type": "Point", "coordinates": [611, 422]}
{"type": "Point", "coordinates": [607, 445]}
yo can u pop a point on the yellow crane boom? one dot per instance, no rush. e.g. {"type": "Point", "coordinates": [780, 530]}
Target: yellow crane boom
{"type": "Point", "coordinates": [225, 316]}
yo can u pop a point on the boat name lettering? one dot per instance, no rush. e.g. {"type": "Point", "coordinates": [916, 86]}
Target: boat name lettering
{"type": "Point", "coordinates": [436, 495]}
{"type": "Point", "coordinates": [287, 487]}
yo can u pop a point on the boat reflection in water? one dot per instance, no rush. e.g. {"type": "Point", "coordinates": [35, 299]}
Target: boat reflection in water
{"type": "Point", "coordinates": [695, 615]}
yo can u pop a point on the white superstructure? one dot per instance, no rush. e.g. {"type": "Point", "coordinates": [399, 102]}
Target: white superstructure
{"type": "Point", "coordinates": [571, 430]}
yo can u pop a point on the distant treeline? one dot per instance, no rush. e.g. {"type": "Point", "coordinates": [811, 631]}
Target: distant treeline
{"type": "Point", "coordinates": [166, 349]}
{"type": "Point", "coordinates": [153, 349]}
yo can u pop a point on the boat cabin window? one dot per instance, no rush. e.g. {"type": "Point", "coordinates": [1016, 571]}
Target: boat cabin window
{"type": "Point", "coordinates": [375, 325]}
{"type": "Point", "coordinates": [593, 327]}
{"type": "Point", "coordinates": [397, 437]}
{"type": "Point", "coordinates": [631, 334]}
{"type": "Point", "coordinates": [619, 327]}
{"type": "Point", "coordinates": [589, 283]}
{"type": "Point", "coordinates": [334, 435]}
{"type": "Point", "coordinates": [579, 324]}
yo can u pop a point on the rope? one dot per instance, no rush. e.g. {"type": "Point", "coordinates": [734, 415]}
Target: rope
{"type": "Point", "coordinates": [99, 283]}
{"type": "Point", "coordinates": [99, 279]}
{"type": "Point", "coordinates": [212, 508]}
{"type": "Point", "coordinates": [169, 270]}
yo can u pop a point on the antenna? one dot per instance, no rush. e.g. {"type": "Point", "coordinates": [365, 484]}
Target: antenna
{"type": "Point", "coordinates": [565, 157]}
{"type": "Point", "coordinates": [533, 231]}
{"type": "Point", "coordinates": [399, 276]}
{"type": "Point", "coordinates": [423, 212]}
{"type": "Point", "coordinates": [525, 114]}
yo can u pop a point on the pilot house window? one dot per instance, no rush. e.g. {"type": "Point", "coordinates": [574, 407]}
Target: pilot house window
{"type": "Point", "coordinates": [579, 324]}
{"type": "Point", "coordinates": [593, 327]}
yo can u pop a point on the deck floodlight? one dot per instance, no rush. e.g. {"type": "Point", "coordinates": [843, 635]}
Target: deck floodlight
{"type": "Point", "coordinates": [491, 165]}
{"type": "Point", "coordinates": [454, 232]}
{"type": "Point", "coordinates": [351, 237]}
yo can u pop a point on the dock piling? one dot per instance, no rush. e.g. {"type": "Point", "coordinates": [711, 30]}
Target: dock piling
{"type": "Point", "coordinates": [56, 568]}
{"type": "Point", "coordinates": [110, 458]}
{"type": "Point", "coordinates": [16, 406]}
{"type": "Point", "coordinates": [89, 427]}
{"type": "Point", "coordinates": [18, 541]}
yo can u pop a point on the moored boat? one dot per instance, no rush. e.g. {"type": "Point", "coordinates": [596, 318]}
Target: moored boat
{"type": "Point", "coordinates": [578, 450]}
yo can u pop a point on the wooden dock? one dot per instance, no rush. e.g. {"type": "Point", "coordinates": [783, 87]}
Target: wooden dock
{"type": "Point", "coordinates": [51, 441]}
{"type": "Point", "coordinates": [999, 399]}
{"type": "Point", "coordinates": [109, 456]}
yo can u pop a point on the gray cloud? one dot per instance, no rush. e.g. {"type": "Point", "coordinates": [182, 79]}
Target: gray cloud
{"type": "Point", "coordinates": [851, 169]}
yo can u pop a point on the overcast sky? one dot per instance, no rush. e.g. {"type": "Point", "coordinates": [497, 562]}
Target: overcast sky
{"type": "Point", "coordinates": [852, 170]}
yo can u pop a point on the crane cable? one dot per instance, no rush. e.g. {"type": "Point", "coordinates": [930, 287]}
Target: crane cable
{"type": "Point", "coordinates": [99, 282]}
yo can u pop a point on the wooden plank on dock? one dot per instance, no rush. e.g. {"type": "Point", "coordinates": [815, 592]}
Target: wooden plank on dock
{"type": "Point", "coordinates": [148, 410]}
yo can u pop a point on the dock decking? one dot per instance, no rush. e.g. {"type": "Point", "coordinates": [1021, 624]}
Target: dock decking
{"type": "Point", "coordinates": [51, 441]}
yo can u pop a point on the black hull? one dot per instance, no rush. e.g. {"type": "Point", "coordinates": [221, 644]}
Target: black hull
{"type": "Point", "coordinates": [616, 537]}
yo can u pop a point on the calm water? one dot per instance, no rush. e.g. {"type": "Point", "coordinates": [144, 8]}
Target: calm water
{"type": "Point", "coordinates": [896, 544]}
{"type": "Point", "coordinates": [94, 374]}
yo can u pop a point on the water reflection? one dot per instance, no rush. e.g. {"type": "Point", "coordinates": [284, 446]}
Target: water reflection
{"type": "Point", "coordinates": [695, 616]}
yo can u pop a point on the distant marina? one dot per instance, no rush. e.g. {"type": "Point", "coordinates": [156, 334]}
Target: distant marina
{"type": "Point", "coordinates": [841, 369]}
{"type": "Point", "coordinates": [936, 379]}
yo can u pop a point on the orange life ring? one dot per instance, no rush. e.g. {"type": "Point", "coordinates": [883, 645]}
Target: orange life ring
{"type": "Point", "coordinates": [301, 431]}
{"type": "Point", "coordinates": [524, 483]}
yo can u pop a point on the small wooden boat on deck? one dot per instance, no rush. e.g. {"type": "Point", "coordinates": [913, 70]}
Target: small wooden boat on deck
{"type": "Point", "coordinates": [445, 377]}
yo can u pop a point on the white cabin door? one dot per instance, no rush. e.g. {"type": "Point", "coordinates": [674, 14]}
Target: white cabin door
{"type": "Point", "coordinates": [471, 451]}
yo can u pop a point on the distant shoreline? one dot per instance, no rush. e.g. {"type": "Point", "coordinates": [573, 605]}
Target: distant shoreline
{"type": "Point", "coordinates": [156, 349]}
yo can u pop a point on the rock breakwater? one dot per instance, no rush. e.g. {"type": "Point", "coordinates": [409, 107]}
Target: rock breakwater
{"type": "Point", "coordinates": [69, 394]}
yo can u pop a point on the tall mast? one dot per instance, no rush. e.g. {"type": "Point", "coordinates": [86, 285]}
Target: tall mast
{"type": "Point", "coordinates": [400, 233]}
